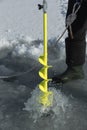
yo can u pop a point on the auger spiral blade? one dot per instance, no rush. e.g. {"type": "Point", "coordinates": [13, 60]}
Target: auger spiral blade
{"type": "Point", "coordinates": [43, 73]}
{"type": "Point", "coordinates": [46, 95]}
{"type": "Point", "coordinates": [43, 86]}
{"type": "Point", "coordinates": [42, 60]}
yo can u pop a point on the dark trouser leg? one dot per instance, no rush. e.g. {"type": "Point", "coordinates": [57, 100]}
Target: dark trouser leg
{"type": "Point", "coordinates": [75, 52]}
{"type": "Point", "coordinates": [76, 47]}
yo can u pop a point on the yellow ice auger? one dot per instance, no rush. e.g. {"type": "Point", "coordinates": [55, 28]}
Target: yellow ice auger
{"type": "Point", "coordinates": [45, 96]}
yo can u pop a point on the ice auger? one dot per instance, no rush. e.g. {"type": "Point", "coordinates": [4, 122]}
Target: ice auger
{"type": "Point", "coordinates": [46, 96]}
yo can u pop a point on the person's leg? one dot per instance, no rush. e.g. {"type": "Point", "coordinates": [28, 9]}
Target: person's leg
{"type": "Point", "coordinates": [75, 48]}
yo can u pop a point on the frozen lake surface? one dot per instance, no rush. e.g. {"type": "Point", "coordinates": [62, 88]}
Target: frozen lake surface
{"type": "Point", "coordinates": [18, 107]}
{"type": "Point", "coordinates": [21, 44]}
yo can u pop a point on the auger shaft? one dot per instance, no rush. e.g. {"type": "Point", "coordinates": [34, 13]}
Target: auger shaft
{"type": "Point", "coordinates": [43, 86]}
{"type": "Point", "coordinates": [45, 47]}
{"type": "Point", "coordinates": [45, 35]}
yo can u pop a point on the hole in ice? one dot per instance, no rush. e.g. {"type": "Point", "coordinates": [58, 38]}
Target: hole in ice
{"type": "Point", "coordinates": [37, 110]}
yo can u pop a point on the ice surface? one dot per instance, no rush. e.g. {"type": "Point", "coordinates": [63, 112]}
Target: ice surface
{"type": "Point", "coordinates": [21, 43]}
{"type": "Point", "coordinates": [37, 110]}
{"type": "Point", "coordinates": [23, 17]}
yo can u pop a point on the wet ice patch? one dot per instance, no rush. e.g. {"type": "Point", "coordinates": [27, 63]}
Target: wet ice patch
{"type": "Point", "coordinates": [56, 50]}
{"type": "Point", "coordinates": [5, 47]}
{"type": "Point", "coordinates": [36, 110]}
{"type": "Point", "coordinates": [25, 46]}
{"type": "Point", "coordinates": [20, 46]}
{"type": "Point", "coordinates": [5, 71]}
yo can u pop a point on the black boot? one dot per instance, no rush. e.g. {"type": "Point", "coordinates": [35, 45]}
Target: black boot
{"type": "Point", "coordinates": [75, 58]}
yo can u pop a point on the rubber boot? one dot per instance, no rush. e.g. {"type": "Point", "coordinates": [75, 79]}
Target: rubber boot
{"type": "Point", "coordinates": [70, 74]}
{"type": "Point", "coordinates": [75, 58]}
